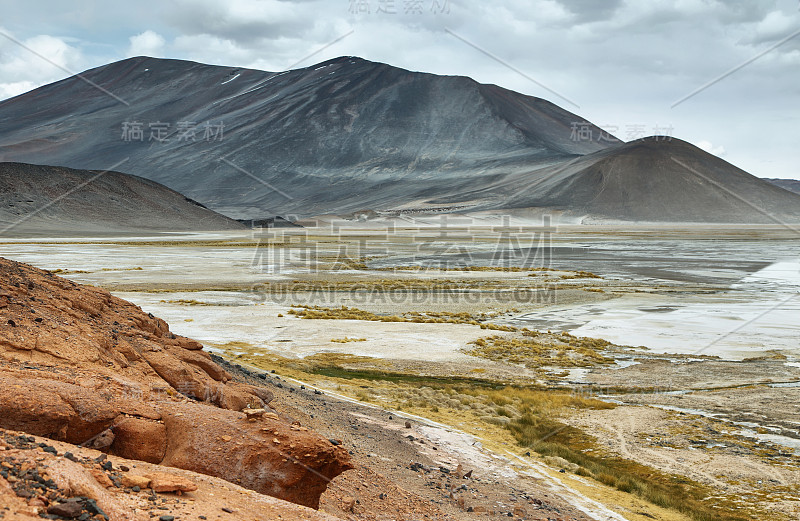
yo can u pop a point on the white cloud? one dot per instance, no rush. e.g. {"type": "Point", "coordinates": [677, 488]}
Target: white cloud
{"type": "Point", "coordinates": [148, 43]}
{"type": "Point", "coordinates": [776, 25]}
{"type": "Point", "coordinates": [249, 21]}
{"type": "Point", "coordinates": [35, 61]}
{"type": "Point", "coordinates": [9, 90]}
{"type": "Point", "coordinates": [709, 147]}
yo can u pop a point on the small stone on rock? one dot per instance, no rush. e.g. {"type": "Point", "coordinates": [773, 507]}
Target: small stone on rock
{"type": "Point", "coordinates": [69, 509]}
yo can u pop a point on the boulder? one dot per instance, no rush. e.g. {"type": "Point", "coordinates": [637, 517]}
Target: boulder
{"type": "Point", "coordinates": [53, 409]}
{"type": "Point", "coordinates": [163, 482]}
{"type": "Point", "coordinates": [141, 439]}
{"type": "Point", "coordinates": [203, 360]}
{"type": "Point", "coordinates": [268, 456]}
{"type": "Point", "coordinates": [187, 379]}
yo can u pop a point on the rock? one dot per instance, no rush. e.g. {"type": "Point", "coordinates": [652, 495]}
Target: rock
{"type": "Point", "coordinates": [348, 503]}
{"type": "Point", "coordinates": [519, 512]}
{"type": "Point", "coordinates": [203, 361]}
{"type": "Point", "coordinates": [79, 481]}
{"type": "Point", "coordinates": [408, 424]}
{"type": "Point", "coordinates": [113, 373]}
{"type": "Point", "coordinates": [254, 414]}
{"type": "Point", "coordinates": [138, 438]}
{"type": "Point", "coordinates": [27, 407]}
{"type": "Point", "coordinates": [297, 469]}
{"type": "Point", "coordinates": [187, 379]}
{"type": "Point", "coordinates": [135, 480]}
{"type": "Point", "coordinates": [53, 409]}
{"type": "Point", "coordinates": [162, 482]}
{"type": "Point", "coordinates": [102, 478]}
{"type": "Point", "coordinates": [70, 509]}
{"type": "Point", "coordinates": [188, 343]}
{"type": "Point", "coordinates": [262, 394]}
{"type": "Point", "coordinates": [102, 441]}
{"type": "Point", "coordinates": [236, 397]}
{"type": "Point", "coordinates": [18, 342]}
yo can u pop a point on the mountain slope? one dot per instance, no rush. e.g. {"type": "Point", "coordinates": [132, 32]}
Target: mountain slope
{"type": "Point", "coordinates": [45, 199]}
{"type": "Point", "coordinates": [349, 135]}
{"type": "Point", "coordinates": [656, 180]}
{"type": "Point", "coordinates": [793, 185]}
{"type": "Point", "coordinates": [339, 136]}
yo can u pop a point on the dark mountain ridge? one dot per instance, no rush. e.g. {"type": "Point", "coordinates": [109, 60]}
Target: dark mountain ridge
{"type": "Point", "coordinates": [350, 135]}
{"type": "Point", "coordinates": [334, 137]}
{"type": "Point", "coordinates": [58, 200]}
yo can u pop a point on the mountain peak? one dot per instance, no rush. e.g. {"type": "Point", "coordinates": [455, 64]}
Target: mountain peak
{"type": "Point", "coordinates": [344, 135]}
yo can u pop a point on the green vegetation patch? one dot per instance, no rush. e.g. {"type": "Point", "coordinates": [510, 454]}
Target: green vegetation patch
{"type": "Point", "coordinates": [537, 349]}
{"type": "Point", "coordinates": [428, 317]}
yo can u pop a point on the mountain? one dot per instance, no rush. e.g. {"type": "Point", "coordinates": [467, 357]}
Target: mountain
{"type": "Point", "coordinates": [46, 199]}
{"type": "Point", "coordinates": [793, 185]}
{"type": "Point", "coordinates": [270, 222]}
{"type": "Point", "coordinates": [337, 137]}
{"type": "Point", "coordinates": [653, 180]}
{"type": "Point", "coordinates": [354, 137]}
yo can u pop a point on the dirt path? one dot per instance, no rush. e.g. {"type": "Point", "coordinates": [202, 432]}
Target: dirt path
{"type": "Point", "coordinates": [701, 450]}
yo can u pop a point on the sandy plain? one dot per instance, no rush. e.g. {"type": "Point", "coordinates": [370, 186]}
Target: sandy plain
{"type": "Point", "coordinates": [702, 367]}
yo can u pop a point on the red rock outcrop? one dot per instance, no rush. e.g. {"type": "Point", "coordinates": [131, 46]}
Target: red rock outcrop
{"type": "Point", "coordinates": [38, 477]}
{"type": "Point", "coordinates": [80, 365]}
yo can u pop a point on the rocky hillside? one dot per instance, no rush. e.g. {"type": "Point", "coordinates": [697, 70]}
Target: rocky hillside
{"type": "Point", "coordinates": [83, 367]}
{"type": "Point", "coordinates": [340, 136]}
{"type": "Point", "coordinates": [55, 200]}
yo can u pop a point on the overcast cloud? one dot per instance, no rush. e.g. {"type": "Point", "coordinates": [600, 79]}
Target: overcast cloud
{"type": "Point", "coordinates": [621, 64]}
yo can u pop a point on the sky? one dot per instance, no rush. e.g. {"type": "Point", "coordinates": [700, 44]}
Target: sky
{"type": "Point", "coordinates": [723, 75]}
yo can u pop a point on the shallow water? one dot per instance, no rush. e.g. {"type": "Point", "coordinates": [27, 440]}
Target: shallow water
{"type": "Point", "coordinates": [759, 312]}
{"type": "Point", "coordinates": [752, 304]}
